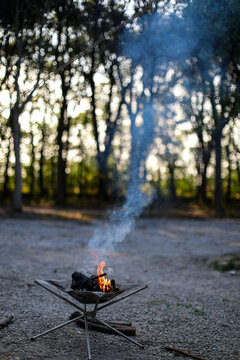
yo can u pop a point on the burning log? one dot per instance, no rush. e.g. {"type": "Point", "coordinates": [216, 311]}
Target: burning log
{"type": "Point", "coordinates": [92, 283]}
{"type": "Point", "coordinates": [95, 277]}
{"type": "Point", "coordinates": [83, 282]}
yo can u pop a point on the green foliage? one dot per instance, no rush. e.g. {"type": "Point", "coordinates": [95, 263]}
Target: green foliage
{"type": "Point", "coordinates": [228, 264]}
{"type": "Point", "coordinates": [186, 187]}
{"type": "Point", "coordinates": [198, 312]}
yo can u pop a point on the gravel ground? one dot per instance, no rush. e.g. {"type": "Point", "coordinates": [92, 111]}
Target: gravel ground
{"type": "Point", "coordinates": [188, 305]}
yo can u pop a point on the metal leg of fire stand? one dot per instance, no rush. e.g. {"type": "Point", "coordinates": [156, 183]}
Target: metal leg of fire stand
{"type": "Point", "coordinates": [45, 285]}
{"type": "Point", "coordinates": [93, 314]}
{"type": "Point", "coordinates": [119, 333]}
{"type": "Point", "coordinates": [87, 335]}
{"type": "Point", "coordinates": [57, 327]}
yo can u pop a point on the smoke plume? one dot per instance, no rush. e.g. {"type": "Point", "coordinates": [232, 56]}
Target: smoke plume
{"type": "Point", "coordinates": [156, 45]}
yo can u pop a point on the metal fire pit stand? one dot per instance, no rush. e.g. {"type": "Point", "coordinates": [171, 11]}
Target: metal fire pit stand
{"type": "Point", "coordinates": [88, 316]}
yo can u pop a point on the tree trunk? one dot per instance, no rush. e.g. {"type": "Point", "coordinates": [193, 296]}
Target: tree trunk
{"type": "Point", "coordinates": [61, 175]}
{"type": "Point", "coordinates": [135, 155]}
{"type": "Point", "coordinates": [238, 172]}
{"type": "Point", "coordinates": [218, 175]}
{"type": "Point", "coordinates": [159, 185]}
{"type": "Point", "coordinates": [17, 194]}
{"type": "Point", "coordinates": [172, 188]}
{"type": "Point", "coordinates": [41, 163]}
{"type": "Point", "coordinates": [100, 161]}
{"type": "Point", "coordinates": [203, 187]}
{"type": "Point", "coordinates": [80, 178]}
{"type": "Point", "coordinates": [31, 172]}
{"type": "Point", "coordinates": [53, 176]}
{"type": "Point", "coordinates": [229, 178]}
{"type": "Point", "coordinates": [103, 178]}
{"type": "Point", "coordinates": [6, 177]}
{"type": "Point", "coordinates": [60, 196]}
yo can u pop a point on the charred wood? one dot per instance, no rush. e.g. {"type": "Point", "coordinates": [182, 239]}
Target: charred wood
{"type": "Point", "coordinates": [125, 327]}
{"type": "Point", "coordinates": [83, 282]}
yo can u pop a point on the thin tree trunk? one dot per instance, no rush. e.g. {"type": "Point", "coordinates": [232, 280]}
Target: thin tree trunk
{"type": "Point", "coordinates": [237, 161]}
{"type": "Point", "coordinates": [101, 170]}
{"type": "Point", "coordinates": [217, 136]}
{"type": "Point", "coordinates": [53, 176]}
{"type": "Point", "coordinates": [17, 194]}
{"type": "Point", "coordinates": [229, 177]}
{"type": "Point", "coordinates": [134, 155]}
{"type": "Point", "coordinates": [61, 175]}
{"type": "Point", "coordinates": [203, 187]}
{"type": "Point", "coordinates": [41, 164]}
{"type": "Point", "coordinates": [172, 188]}
{"type": "Point", "coordinates": [80, 177]}
{"type": "Point", "coordinates": [6, 176]}
{"type": "Point", "coordinates": [159, 186]}
{"type": "Point", "coordinates": [104, 156]}
{"type": "Point", "coordinates": [31, 172]}
{"type": "Point", "coordinates": [218, 175]}
{"type": "Point", "coordinates": [103, 180]}
{"type": "Point", "coordinates": [238, 172]}
{"type": "Point", "coordinates": [60, 196]}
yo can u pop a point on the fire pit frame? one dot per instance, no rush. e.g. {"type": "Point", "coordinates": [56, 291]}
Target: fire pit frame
{"type": "Point", "coordinates": [88, 316]}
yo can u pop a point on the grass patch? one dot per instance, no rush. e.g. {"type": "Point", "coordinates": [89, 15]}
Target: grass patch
{"type": "Point", "coordinates": [227, 264]}
{"type": "Point", "coordinates": [159, 302]}
{"type": "Point", "coordinates": [198, 312]}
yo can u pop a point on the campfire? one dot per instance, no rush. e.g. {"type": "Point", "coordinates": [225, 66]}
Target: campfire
{"type": "Point", "coordinates": [95, 282]}
{"type": "Point", "coordinates": [92, 291]}
{"type": "Point", "coordinates": [95, 288]}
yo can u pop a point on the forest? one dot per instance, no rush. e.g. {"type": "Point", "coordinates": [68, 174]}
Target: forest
{"type": "Point", "coordinates": [100, 95]}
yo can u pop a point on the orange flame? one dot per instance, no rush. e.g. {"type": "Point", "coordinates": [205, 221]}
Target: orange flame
{"type": "Point", "coordinates": [104, 284]}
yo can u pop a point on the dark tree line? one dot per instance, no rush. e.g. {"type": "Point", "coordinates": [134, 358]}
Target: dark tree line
{"type": "Point", "coordinates": [52, 55]}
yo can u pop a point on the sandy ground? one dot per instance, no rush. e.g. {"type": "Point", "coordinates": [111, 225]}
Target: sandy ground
{"type": "Point", "coordinates": [188, 305]}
